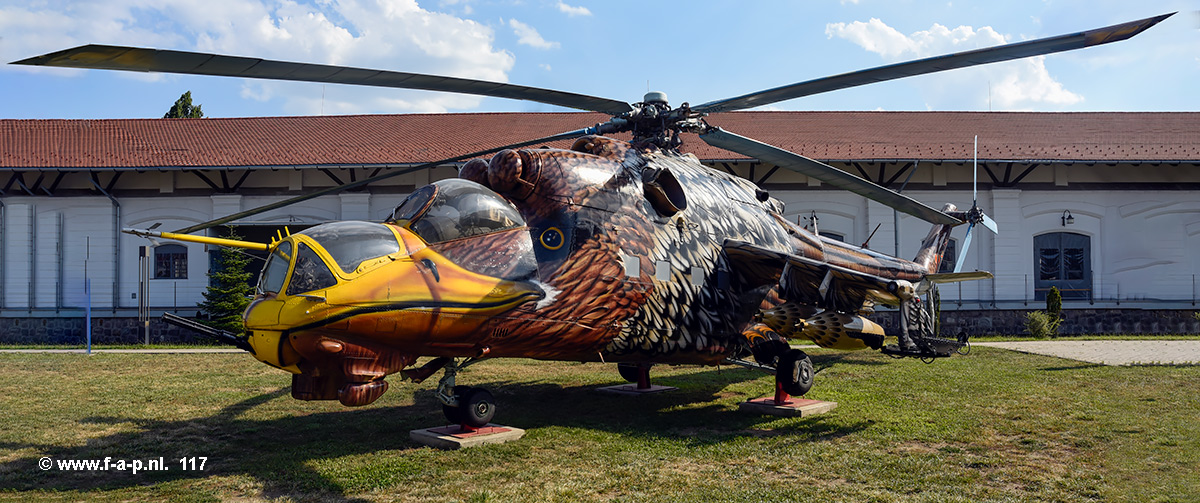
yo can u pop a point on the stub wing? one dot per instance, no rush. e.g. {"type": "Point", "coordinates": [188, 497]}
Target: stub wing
{"type": "Point", "coordinates": [955, 277]}
{"type": "Point", "coordinates": [809, 281]}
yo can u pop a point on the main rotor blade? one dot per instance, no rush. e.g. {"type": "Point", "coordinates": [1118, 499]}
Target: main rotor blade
{"type": "Point", "coordinates": [720, 138]}
{"type": "Point", "coordinates": [333, 190]}
{"type": "Point", "coordinates": [986, 55]}
{"type": "Point", "coordinates": [136, 59]}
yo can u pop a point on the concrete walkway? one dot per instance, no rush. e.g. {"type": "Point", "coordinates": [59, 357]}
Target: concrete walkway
{"type": "Point", "coordinates": [1110, 352]}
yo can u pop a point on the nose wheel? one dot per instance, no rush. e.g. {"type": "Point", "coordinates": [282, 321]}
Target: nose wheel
{"type": "Point", "coordinates": [472, 408]}
{"type": "Point", "coordinates": [476, 407]}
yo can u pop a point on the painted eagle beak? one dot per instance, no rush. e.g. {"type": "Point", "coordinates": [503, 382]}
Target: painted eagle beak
{"type": "Point", "coordinates": [417, 297]}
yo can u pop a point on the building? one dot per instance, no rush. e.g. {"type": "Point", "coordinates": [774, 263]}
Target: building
{"type": "Point", "coordinates": [1105, 206]}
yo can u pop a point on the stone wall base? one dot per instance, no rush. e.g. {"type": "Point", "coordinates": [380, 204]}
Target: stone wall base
{"type": "Point", "coordinates": [1075, 321]}
{"type": "Point", "coordinates": [104, 331]}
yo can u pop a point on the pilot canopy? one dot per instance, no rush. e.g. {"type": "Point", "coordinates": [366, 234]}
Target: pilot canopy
{"type": "Point", "coordinates": [452, 209]}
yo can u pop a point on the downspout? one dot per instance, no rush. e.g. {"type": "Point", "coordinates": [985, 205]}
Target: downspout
{"type": "Point", "coordinates": [116, 244]}
{"type": "Point", "coordinates": [59, 251]}
{"type": "Point", "coordinates": [3, 262]}
{"type": "Point", "coordinates": [29, 299]}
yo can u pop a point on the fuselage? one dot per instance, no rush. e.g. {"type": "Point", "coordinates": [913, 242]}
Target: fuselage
{"type": "Point", "coordinates": [601, 252]}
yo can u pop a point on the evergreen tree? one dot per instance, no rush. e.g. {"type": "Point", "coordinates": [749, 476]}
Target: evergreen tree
{"type": "Point", "coordinates": [1054, 303]}
{"type": "Point", "coordinates": [183, 109]}
{"type": "Point", "coordinates": [228, 289]}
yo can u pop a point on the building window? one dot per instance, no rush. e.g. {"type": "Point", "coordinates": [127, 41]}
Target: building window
{"type": "Point", "coordinates": [1063, 260]}
{"type": "Point", "coordinates": [949, 257]}
{"type": "Point", "coordinates": [170, 262]}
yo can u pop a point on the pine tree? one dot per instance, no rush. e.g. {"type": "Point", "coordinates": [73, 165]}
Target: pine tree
{"type": "Point", "coordinates": [228, 290]}
{"type": "Point", "coordinates": [183, 109]}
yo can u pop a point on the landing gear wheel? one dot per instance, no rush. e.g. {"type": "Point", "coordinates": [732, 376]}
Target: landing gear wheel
{"type": "Point", "coordinates": [478, 407]}
{"type": "Point", "coordinates": [794, 372]}
{"type": "Point", "coordinates": [629, 371]}
{"type": "Point", "coordinates": [455, 414]}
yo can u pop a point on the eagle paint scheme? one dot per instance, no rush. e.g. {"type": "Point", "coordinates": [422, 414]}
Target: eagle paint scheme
{"type": "Point", "coordinates": [604, 252]}
{"type": "Point", "coordinates": [608, 251]}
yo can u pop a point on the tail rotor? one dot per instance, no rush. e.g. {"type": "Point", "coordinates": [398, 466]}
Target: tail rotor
{"type": "Point", "coordinates": [975, 215]}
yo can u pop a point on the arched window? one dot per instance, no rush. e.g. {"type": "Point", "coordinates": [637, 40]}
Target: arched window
{"type": "Point", "coordinates": [1063, 260]}
{"type": "Point", "coordinates": [170, 262]}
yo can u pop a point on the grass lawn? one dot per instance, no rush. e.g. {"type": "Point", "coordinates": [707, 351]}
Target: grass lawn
{"type": "Point", "coordinates": [991, 426]}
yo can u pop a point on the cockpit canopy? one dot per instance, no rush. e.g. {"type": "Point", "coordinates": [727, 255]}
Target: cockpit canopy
{"type": "Point", "coordinates": [347, 243]}
{"type": "Point", "coordinates": [352, 242]}
{"type": "Point", "coordinates": [454, 209]}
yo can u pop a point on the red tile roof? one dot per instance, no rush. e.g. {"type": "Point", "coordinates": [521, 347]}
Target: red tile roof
{"type": "Point", "coordinates": [401, 139]}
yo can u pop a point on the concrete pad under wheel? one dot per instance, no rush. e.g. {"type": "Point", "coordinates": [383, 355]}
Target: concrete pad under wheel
{"type": "Point", "coordinates": [632, 389]}
{"type": "Point", "coordinates": [794, 407]}
{"type": "Point", "coordinates": [453, 437]}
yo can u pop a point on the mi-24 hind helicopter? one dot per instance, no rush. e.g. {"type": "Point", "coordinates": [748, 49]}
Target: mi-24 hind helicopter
{"type": "Point", "coordinates": [628, 252]}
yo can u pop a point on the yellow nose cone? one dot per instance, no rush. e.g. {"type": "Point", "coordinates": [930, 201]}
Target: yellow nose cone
{"type": "Point", "coordinates": [271, 348]}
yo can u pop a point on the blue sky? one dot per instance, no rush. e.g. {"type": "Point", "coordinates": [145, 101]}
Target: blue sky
{"type": "Point", "coordinates": [694, 51]}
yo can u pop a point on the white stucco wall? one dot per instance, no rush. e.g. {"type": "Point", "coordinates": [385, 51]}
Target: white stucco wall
{"type": "Point", "coordinates": [1145, 244]}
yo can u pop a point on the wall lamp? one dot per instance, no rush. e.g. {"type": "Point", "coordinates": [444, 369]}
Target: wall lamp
{"type": "Point", "coordinates": [1067, 218]}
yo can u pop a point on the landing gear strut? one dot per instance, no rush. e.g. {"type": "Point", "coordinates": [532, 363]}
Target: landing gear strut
{"type": "Point", "coordinates": [472, 408]}
{"type": "Point", "coordinates": [638, 373]}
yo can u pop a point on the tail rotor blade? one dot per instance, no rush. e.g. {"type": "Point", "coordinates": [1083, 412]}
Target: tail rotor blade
{"type": "Point", "coordinates": [962, 255]}
{"type": "Point", "coordinates": [989, 223]}
{"type": "Point", "coordinates": [975, 174]}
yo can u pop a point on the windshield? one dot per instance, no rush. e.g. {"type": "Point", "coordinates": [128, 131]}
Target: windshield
{"type": "Point", "coordinates": [275, 271]}
{"type": "Point", "coordinates": [310, 272]}
{"type": "Point", "coordinates": [351, 242]}
{"type": "Point", "coordinates": [454, 209]}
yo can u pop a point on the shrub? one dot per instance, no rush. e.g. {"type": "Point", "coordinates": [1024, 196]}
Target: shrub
{"type": "Point", "coordinates": [1054, 303]}
{"type": "Point", "coordinates": [1041, 325]}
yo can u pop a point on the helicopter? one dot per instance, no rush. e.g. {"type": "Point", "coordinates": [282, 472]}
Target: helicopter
{"type": "Point", "coordinates": [628, 252]}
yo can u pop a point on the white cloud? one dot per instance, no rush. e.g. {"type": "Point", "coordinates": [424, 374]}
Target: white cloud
{"type": "Point", "coordinates": [391, 35]}
{"type": "Point", "coordinates": [544, 66]}
{"type": "Point", "coordinates": [527, 35]}
{"type": "Point", "coordinates": [573, 11]}
{"type": "Point", "coordinates": [1018, 84]}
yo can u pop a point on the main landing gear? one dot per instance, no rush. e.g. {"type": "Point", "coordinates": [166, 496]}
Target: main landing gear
{"type": "Point", "coordinates": [792, 367]}
{"type": "Point", "coordinates": [794, 373]}
{"type": "Point", "coordinates": [917, 333]}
